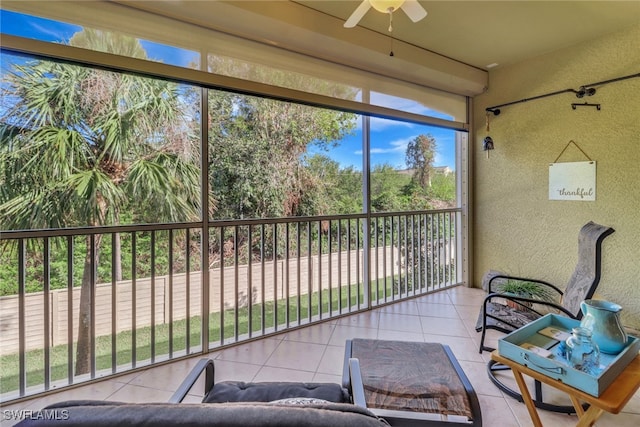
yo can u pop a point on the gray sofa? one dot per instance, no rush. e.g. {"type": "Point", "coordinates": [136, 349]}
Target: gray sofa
{"type": "Point", "coordinates": [227, 403]}
{"type": "Point", "coordinates": [313, 413]}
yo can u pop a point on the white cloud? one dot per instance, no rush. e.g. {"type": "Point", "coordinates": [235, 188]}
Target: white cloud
{"type": "Point", "coordinates": [394, 147]}
{"type": "Point", "coordinates": [402, 104]}
{"type": "Point", "coordinates": [57, 35]}
{"type": "Point", "coordinates": [438, 159]}
{"type": "Point", "coordinates": [378, 124]}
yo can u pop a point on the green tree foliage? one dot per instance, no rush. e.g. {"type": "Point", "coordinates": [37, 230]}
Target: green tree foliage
{"type": "Point", "coordinates": [257, 145]}
{"type": "Point", "coordinates": [388, 189]}
{"type": "Point", "coordinates": [420, 157]}
{"type": "Point", "coordinates": [79, 146]}
{"type": "Point", "coordinates": [256, 153]}
{"type": "Point", "coordinates": [337, 190]}
{"type": "Point", "coordinates": [257, 148]}
{"type": "Point", "coordinates": [443, 189]}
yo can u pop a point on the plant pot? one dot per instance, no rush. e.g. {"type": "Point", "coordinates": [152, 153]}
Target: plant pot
{"type": "Point", "coordinates": [519, 305]}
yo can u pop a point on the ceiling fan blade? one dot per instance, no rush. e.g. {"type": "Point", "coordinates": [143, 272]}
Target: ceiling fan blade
{"type": "Point", "coordinates": [414, 10]}
{"type": "Point", "coordinates": [357, 14]}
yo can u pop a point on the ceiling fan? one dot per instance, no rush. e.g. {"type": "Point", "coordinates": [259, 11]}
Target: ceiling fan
{"type": "Point", "coordinates": [412, 8]}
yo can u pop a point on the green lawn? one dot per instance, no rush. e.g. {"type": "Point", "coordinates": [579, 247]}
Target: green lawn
{"type": "Point", "coordinates": [9, 364]}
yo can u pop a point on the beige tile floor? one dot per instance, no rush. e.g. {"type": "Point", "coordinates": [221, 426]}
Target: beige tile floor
{"type": "Point", "coordinates": [315, 353]}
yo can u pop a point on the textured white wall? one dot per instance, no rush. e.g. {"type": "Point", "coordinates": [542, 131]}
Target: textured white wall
{"type": "Point", "coordinates": [517, 229]}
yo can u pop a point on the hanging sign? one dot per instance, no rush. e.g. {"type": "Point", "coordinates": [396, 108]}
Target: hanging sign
{"type": "Point", "coordinates": [572, 181]}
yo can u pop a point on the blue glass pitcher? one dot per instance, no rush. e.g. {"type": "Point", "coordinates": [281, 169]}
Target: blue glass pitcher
{"type": "Point", "coordinates": [603, 319]}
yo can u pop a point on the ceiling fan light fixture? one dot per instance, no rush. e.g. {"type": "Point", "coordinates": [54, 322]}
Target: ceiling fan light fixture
{"type": "Point", "coordinates": [412, 8]}
{"type": "Point", "coordinates": [386, 6]}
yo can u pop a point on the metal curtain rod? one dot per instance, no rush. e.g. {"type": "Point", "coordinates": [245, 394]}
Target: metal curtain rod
{"type": "Point", "coordinates": [587, 90]}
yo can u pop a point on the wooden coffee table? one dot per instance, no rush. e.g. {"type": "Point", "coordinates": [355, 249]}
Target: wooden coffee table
{"type": "Point", "coordinates": [612, 400]}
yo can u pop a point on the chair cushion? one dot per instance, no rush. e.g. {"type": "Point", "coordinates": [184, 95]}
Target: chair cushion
{"type": "Point", "coordinates": [512, 318]}
{"type": "Point", "coordinates": [236, 391]}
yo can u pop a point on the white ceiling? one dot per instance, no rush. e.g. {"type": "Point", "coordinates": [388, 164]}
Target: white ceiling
{"type": "Point", "coordinates": [450, 49]}
{"type": "Point", "coordinates": [480, 33]}
{"type": "Point", "coordinates": [476, 33]}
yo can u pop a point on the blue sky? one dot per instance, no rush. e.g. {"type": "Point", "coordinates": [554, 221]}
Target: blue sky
{"type": "Point", "coordinates": [389, 141]}
{"type": "Point", "coordinates": [389, 138]}
{"type": "Point", "coordinates": [60, 32]}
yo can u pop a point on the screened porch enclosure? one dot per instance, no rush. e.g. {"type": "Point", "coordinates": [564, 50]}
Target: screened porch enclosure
{"type": "Point", "coordinates": [160, 201]}
{"type": "Point", "coordinates": [298, 275]}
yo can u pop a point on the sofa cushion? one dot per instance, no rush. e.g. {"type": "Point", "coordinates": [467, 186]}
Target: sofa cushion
{"type": "Point", "coordinates": [112, 414]}
{"type": "Point", "coordinates": [236, 391]}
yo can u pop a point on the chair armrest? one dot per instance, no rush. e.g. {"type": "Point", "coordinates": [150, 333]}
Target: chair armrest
{"type": "Point", "coordinates": [346, 381]}
{"type": "Point", "coordinates": [524, 279]}
{"type": "Point", "coordinates": [202, 365]}
{"type": "Point", "coordinates": [357, 388]}
{"type": "Point", "coordinates": [352, 377]}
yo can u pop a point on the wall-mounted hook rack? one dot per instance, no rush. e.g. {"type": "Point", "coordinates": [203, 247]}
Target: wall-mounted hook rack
{"type": "Point", "coordinates": [574, 106]}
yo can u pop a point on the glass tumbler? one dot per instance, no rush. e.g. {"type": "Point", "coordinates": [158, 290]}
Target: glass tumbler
{"type": "Point", "coordinates": [582, 353]}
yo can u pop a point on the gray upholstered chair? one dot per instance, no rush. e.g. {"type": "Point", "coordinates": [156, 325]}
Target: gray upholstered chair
{"type": "Point", "coordinates": [496, 314]}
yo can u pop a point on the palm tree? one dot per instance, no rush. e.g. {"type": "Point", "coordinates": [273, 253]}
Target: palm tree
{"type": "Point", "coordinates": [80, 146]}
